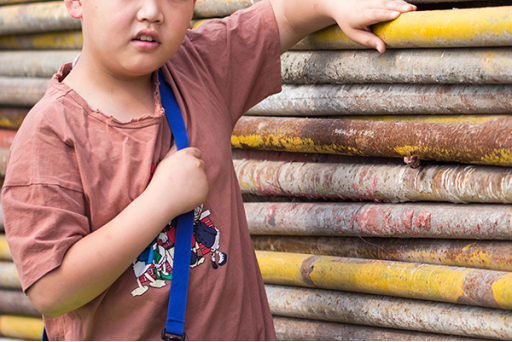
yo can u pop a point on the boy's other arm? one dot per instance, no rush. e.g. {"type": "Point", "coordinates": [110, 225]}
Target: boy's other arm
{"type": "Point", "coordinates": [296, 19]}
{"type": "Point", "coordinates": [92, 264]}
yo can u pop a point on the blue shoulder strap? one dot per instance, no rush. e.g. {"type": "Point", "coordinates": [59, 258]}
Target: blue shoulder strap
{"type": "Point", "coordinates": [175, 324]}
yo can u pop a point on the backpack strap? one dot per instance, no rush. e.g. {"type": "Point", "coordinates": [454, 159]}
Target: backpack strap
{"type": "Point", "coordinates": [175, 325]}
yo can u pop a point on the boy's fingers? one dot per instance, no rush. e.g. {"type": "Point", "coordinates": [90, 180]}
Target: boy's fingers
{"type": "Point", "coordinates": [367, 38]}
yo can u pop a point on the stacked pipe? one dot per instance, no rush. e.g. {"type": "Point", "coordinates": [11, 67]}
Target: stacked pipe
{"type": "Point", "coordinates": [353, 243]}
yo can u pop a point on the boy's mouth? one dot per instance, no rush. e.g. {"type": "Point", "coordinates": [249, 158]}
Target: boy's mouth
{"type": "Point", "coordinates": [145, 38]}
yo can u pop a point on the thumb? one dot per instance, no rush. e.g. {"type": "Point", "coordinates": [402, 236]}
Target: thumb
{"type": "Point", "coordinates": [366, 38]}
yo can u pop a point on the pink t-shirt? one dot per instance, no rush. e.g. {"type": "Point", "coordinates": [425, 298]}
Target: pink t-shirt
{"type": "Point", "coordinates": [72, 170]}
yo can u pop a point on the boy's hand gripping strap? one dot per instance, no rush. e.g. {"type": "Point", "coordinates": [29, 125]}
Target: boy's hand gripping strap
{"type": "Point", "coordinates": [175, 324]}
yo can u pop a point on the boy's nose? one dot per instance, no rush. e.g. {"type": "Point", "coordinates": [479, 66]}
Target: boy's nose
{"type": "Point", "coordinates": [150, 11]}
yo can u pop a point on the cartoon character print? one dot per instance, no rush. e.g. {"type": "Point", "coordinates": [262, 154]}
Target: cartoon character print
{"type": "Point", "coordinates": [154, 265]}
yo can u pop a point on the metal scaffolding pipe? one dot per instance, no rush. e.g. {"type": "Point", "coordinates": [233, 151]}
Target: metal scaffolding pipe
{"type": "Point", "coordinates": [399, 279]}
{"type": "Point", "coordinates": [285, 156]}
{"type": "Point", "coordinates": [493, 255]}
{"type": "Point", "coordinates": [440, 183]}
{"type": "Point", "coordinates": [443, 66]}
{"type": "Point", "coordinates": [472, 27]}
{"type": "Point", "coordinates": [389, 312]}
{"type": "Point", "coordinates": [220, 8]}
{"type": "Point", "coordinates": [361, 99]}
{"type": "Point", "coordinates": [36, 17]}
{"type": "Point", "coordinates": [293, 329]}
{"type": "Point", "coordinates": [16, 303]}
{"type": "Point", "coordinates": [34, 63]}
{"type": "Point", "coordinates": [64, 40]}
{"type": "Point", "coordinates": [21, 91]}
{"type": "Point", "coordinates": [425, 220]}
{"type": "Point", "coordinates": [446, 66]}
{"type": "Point", "coordinates": [9, 278]}
{"type": "Point", "coordinates": [471, 139]}
{"type": "Point", "coordinates": [24, 328]}
{"type": "Point", "coordinates": [12, 117]}
{"type": "Point", "coordinates": [5, 253]}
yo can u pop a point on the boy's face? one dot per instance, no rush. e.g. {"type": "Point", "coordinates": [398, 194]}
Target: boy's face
{"type": "Point", "coordinates": [129, 38]}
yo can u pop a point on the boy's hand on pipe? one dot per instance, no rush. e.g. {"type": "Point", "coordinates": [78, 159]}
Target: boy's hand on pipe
{"type": "Point", "coordinates": [355, 17]}
{"type": "Point", "coordinates": [298, 18]}
{"type": "Point", "coordinates": [179, 183]}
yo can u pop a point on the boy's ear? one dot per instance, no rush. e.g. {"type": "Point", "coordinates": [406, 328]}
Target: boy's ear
{"type": "Point", "coordinates": [74, 8]}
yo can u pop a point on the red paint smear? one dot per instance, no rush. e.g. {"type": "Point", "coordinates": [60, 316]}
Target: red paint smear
{"type": "Point", "coordinates": [423, 221]}
{"type": "Point", "coordinates": [407, 219]}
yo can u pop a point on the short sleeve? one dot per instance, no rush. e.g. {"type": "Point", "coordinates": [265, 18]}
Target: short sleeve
{"type": "Point", "coordinates": [41, 223]}
{"type": "Point", "coordinates": [242, 54]}
{"type": "Point", "coordinates": [42, 199]}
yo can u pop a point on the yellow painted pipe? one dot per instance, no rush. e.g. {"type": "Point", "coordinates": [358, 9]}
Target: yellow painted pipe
{"type": "Point", "coordinates": [24, 328]}
{"type": "Point", "coordinates": [472, 27]}
{"type": "Point", "coordinates": [5, 253]}
{"type": "Point", "coordinates": [449, 28]}
{"type": "Point", "coordinates": [68, 40]}
{"type": "Point", "coordinates": [398, 279]}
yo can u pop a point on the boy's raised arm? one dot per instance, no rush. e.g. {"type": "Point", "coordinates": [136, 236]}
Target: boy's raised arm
{"type": "Point", "coordinates": [297, 19]}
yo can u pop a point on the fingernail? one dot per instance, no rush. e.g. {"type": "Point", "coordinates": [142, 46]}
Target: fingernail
{"type": "Point", "coordinates": [395, 13]}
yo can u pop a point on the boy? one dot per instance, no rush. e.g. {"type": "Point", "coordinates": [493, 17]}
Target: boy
{"type": "Point", "coordinates": [92, 185]}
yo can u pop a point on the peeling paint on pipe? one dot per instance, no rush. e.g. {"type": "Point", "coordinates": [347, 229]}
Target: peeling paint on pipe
{"type": "Point", "coordinates": [425, 220]}
{"type": "Point", "coordinates": [34, 63]}
{"type": "Point", "coordinates": [16, 303]}
{"type": "Point", "coordinates": [440, 183]}
{"type": "Point", "coordinates": [293, 329]}
{"type": "Point", "coordinates": [432, 66]}
{"type": "Point", "coordinates": [467, 139]}
{"type": "Point", "coordinates": [5, 253]}
{"type": "Point", "coordinates": [362, 99]}
{"type": "Point", "coordinates": [389, 312]}
{"type": "Point", "coordinates": [21, 91]}
{"type": "Point", "coordinates": [64, 40]}
{"type": "Point", "coordinates": [472, 27]}
{"type": "Point", "coordinates": [493, 255]}
{"type": "Point", "coordinates": [12, 117]}
{"type": "Point", "coordinates": [406, 280]}
{"type": "Point", "coordinates": [9, 278]}
{"type": "Point", "coordinates": [24, 328]}
{"type": "Point", "coordinates": [36, 17]}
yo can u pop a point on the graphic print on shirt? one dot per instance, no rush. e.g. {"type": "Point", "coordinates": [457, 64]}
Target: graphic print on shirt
{"type": "Point", "coordinates": [154, 265]}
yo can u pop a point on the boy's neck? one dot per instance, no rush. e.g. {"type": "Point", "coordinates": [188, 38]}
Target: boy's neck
{"type": "Point", "coordinates": [122, 97]}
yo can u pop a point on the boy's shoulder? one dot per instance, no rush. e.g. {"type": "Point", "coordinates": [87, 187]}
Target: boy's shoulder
{"type": "Point", "coordinates": [57, 111]}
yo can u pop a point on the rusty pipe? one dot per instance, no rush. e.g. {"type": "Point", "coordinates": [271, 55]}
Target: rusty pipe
{"type": "Point", "coordinates": [389, 312]}
{"type": "Point", "coordinates": [425, 66]}
{"type": "Point", "coordinates": [420, 220]}
{"type": "Point", "coordinates": [306, 157]}
{"type": "Point", "coordinates": [24, 328]}
{"type": "Point", "coordinates": [34, 63]}
{"type": "Point", "coordinates": [390, 183]}
{"type": "Point", "coordinates": [16, 303]}
{"type": "Point", "coordinates": [5, 253]}
{"type": "Point", "coordinates": [449, 66]}
{"type": "Point", "coordinates": [36, 17]}
{"type": "Point", "coordinates": [22, 91]}
{"type": "Point", "coordinates": [493, 255]}
{"type": "Point", "coordinates": [407, 280]}
{"type": "Point", "coordinates": [63, 40]}
{"type": "Point", "coordinates": [361, 99]}
{"type": "Point", "coordinates": [294, 329]}
{"type": "Point", "coordinates": [12, 117]}
{"type": "Point", "coordinates": [474, 139]}
{"type": "Point", "coordinates": [9, 278]}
